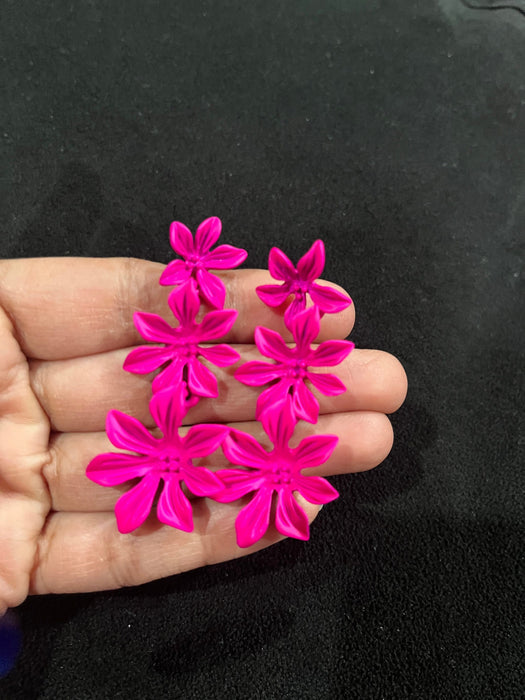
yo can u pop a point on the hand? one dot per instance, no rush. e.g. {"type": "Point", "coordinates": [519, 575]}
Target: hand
{"type": "Point", "coordinates": [66, 327]}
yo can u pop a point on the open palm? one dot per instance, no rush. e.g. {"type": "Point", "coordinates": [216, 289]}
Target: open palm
{"type": "Point", "coordinates": [65, 329]}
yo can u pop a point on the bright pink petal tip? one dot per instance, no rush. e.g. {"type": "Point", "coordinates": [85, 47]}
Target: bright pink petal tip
{"type": "Point", "coordinates": [225, 257]}
{"type": "Point", "coordinates": [133, 507]}
{"type": "Point", "coordinates": [174, 508]}
{"type": "Point", "coordinates": [331, 353]}
{"type": "Point", "coordinates": [328, 299]}
{"type": "Point", "coordinates": [181, 239]}
{"type": "Point", "coordinates": [128, 433]}
{"type": "Point", "coordinates": [280, 266]}
{"type": "Point", "coordinates": [253, 520]}
{"type": "Point", "coordinates": [305, 327]}
{"type": "Point", "coordinates": [211, 288]}
{"type": "Point", "coordinates": [256, 373]}
{"type": "Point", "coordinates": [311, 265]}
{"type": "Point", "coordinates": [220, 355]}
{"type": "Point", "coordinates": [273, 294]}
{"type": "Point", "coordinates": [271, 344]}
{"type": "Point", "coordinates": [207, 234]}
{"type": "Point", "coordinates": [175, 273]}
{"type": "Point", "coordinates": [290, 518]}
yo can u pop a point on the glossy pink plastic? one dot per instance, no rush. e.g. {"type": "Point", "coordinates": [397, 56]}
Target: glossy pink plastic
{"type": "Point", "coordinates": [291, 369]}
{"type": "Point", "coordinates": [183, 345]}
{"type": "Point", "coordinates": [275, 472]}
{"type": "Point", "coordinates": [168, 459]}
{"type": "Point", "coordinates": [300, 281]}
{"type": "Point", "coordinates": [198, 259]}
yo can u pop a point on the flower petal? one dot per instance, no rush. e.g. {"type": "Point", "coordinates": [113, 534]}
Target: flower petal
{"type": "Point", "coordinates": [174, 508]}
{"type": "Point", "coordinates": [175, 273]}
{"type": "Point", "coordinates": [129, 433]}
{"type": "Point", "coordinates": [220, 355]}
{"type": "Point", "coordinates": [184, 303]}
{"type": "Point", "coordinates": [212, 288]}
{"type": "Point", "coordinates": [242, 448]}
{"type": "Point", "coordinates": [133, 507]}
{"type": "Point", "coordinates": [257, 373]}
{"type": "Point", "coordinates": [271, 344]}
{"type": "Point", "coordinates": [296, 307]}
{"type": "Point", "coordinates": [237, 483]}
{"type": "Point", "coordinates": [327, 384]}
{"type": "Point", "coordinates": [314, 450]}
{"type": "Point", "coordinates": [280, 266]}
{"type": "Point", "coordinates": [153, 327]}
{"type": "Point", "coordinates": [202, 482]}
{"type": "Point", "coordinates": [207, 235]}
{"type": "Point", "coordinates": [200, 380]}
{"type": "Point", "coordinates": [290, 518]}
{"type": "Point", "coordinates": [224, 257]}
{"type": "Point", "coordinates": [202, 440]}
{"type": "Point", "coordinates": [305, 405]}
{"type": "Point", "coordinates": [146, 358]}
{"type": "Point", "coordinates": [113, 468]}
{"type": "Point", "coordinates": [329, 300]}
{"type": "Point", "coordinates": [274, 396]}
{"type": "Point", "coordinates": [170, 376]}
{"type": "Point", "coordinates": [305, 328]}
{"type": "Point", "coordinates": [253, 520]}
{"type": "Point", "coordinates": [168, 408]}
{"type": "Point", "coordinates": [216, 324]}
{"type": "Point", "coordinates": [273, 294]}
{"type": "Point", "coordinates": [279, 424]}
{"type": "Point", "coordinates": [181, 239]}
{"type": "Point", "coordinates": [311, 265]}
{"type": "Point", "coordinates": [315, 489]}
{"type": "Point", "coordinates": [331, 353]}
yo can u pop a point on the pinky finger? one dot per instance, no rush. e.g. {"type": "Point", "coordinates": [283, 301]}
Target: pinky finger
{"type": "Point", "coordinates": [81, 552]}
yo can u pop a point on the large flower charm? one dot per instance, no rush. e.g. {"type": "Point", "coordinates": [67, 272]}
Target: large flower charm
{"type": "Point", "coordinates": [278, 471]}
{"type": "Point", "coordinates": [198, 259]}
{"type": "Point", "coordinates": [291, 368]}
{"type": "Point", "coordinates": [183, 344]}
{"type": "Point", "coordinates": [168, 459]}
{"type": "Point", "coordinates": [300, 281]}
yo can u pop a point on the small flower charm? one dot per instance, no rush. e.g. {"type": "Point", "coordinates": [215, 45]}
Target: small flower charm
{"type": "Point", "coordinates": [198, 259]}
{"type": "Point", "coordinates": [291, 367]}
{"type": "Point", "coordinates": [278, 471]}
{"type": "Point", "coordinates": [300, 281]}
{"type": "Point", "coordinates": [183, 344]}
{"type": "Point", "coordinates": [169, 458]}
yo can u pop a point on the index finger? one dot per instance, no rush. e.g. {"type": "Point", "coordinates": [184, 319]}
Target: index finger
{"type": "Point", "coordinates": [72, 307]}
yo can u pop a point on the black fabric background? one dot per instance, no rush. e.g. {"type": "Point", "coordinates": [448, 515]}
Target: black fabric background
{"type": "Point", "coordinates": [396, 132]}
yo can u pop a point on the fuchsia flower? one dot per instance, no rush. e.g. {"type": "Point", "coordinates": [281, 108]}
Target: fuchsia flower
{"type": "Point", "coordinates": [168, 459]}
{"type": "Point", "coordinates": [300, 281]}
{"type": "Point", "coordinates": [198, 259]}
{"type": "Point", "coordinates": [278, 471]}
{"type": "Point", "coordinates": [291, 367]}
{"type": "Point", "coordinates": [183, 344]}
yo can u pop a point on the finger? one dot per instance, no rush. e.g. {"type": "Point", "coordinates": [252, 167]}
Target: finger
{"type": "Point", "coordinates": [80, 552]}
{"type": "Point", "coordinates": [72, 307]}
{"type": "Point", "coordinates": [77, 394]}
{"type": "Point", "coordinates": [24, 500]}
{"type": "Point", "coordinates": [365, 439]}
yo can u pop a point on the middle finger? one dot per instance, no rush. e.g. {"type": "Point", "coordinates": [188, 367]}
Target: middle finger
{"type": "Point", "coordinates": [77, 393]}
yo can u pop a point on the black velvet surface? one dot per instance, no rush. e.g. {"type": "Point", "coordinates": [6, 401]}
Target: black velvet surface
{"type": "Point", "coordinates": [396, 132]}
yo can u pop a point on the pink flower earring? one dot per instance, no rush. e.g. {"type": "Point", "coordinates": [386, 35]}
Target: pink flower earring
{"type": "Point", "coordinates": [275, 472]}
{"type": "Point", "coordinates": [182, 380]}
